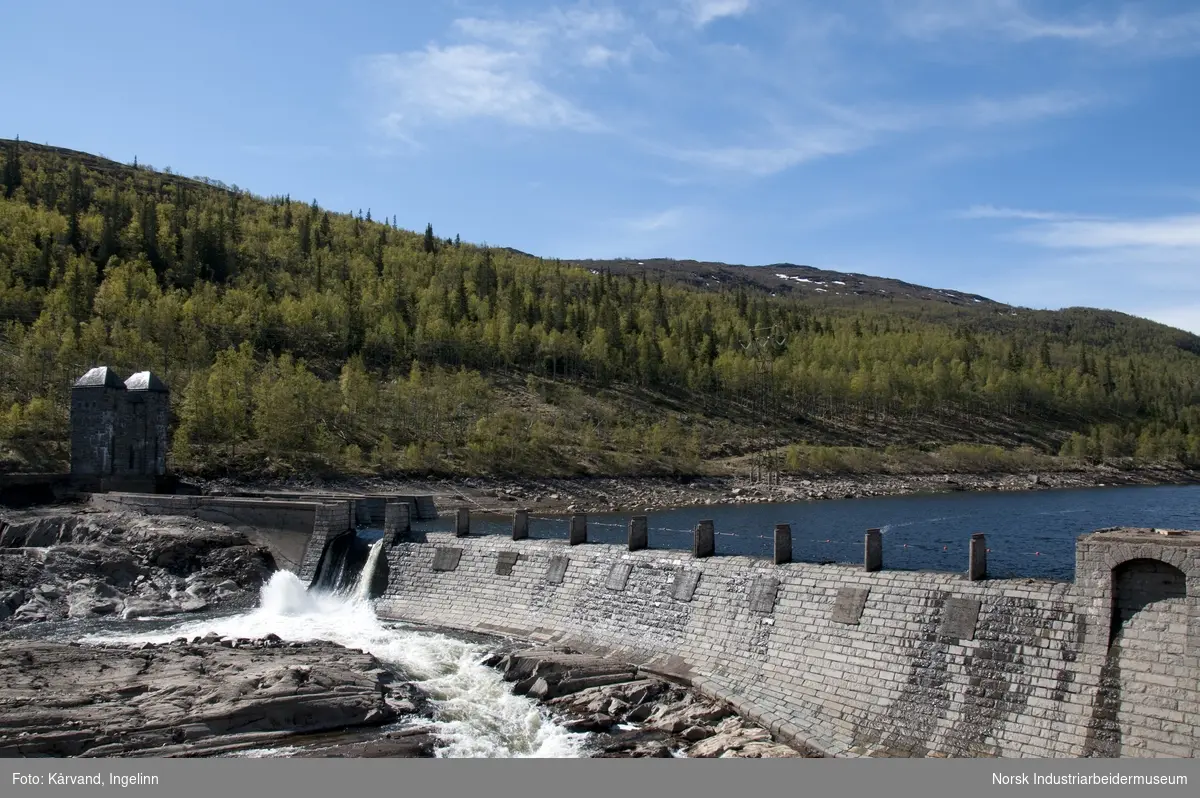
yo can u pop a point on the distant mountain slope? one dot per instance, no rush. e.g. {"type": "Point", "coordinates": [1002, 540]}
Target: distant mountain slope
{"type": "Point", "coordinates": [779, 278]}
{"type": "Point", "coordinates": [294, 337]}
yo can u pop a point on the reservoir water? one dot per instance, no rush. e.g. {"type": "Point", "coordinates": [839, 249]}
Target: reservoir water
{"type": "Point", "coordinates": [1029, 534]}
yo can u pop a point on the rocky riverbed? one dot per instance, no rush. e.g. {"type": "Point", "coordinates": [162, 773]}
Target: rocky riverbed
{"type": "Point", "coordinates": [634, 713]}
{"type": "Point", "coordinates": [58, 563]}
{"type": "Point", "coordinates": [67, 693]}
{"type": "Point", "coordinates": [189, 697]}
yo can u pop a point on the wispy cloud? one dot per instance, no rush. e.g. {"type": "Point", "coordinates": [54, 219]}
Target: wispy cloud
{"type": "Point", "coordinates": [852, 128]}
{"type": "Point", "coordinates": [1131, 28]}
{"type": "Point", "coordinates": [702, 12]}
{"type": "Point", "coordinates": [994, 212]}
{"type": "Point", "coordinates": [768, 159]}
{"type": "Point", "coordinates": [503, 69]}
{"type": "Point", "coordinates": [1168, 233]}
{"type": "Point", "coordinates": [450, 84]}
{"type": "Point", "coordinates": [669, 219]}
{"type": "Point", "coordinates": [1149, 262]}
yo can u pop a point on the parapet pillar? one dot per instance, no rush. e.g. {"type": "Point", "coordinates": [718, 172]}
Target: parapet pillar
{"type": "Point", "coordinates": [977, 559]}
{"type": "Point", "coordinates": [873, 551]}
{"type": "Point", "coordinates": [578, 532]}
{"type": "Point", "coordinates": [397, 521]}
{"type": "Point", "coordinates": [639, 537]}
{"type": "Point", "coordinates": [520, 525]}
{"type": "Point", "coordinates": [462, 523]}
{"type": "Point", "coordinates": [704, 541]}
{"type": "Point", "coordinates": [783, 544]}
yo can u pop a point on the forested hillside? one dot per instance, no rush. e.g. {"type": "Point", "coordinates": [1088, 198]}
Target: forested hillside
{"type": "Point", "coordinates": [294, 336]}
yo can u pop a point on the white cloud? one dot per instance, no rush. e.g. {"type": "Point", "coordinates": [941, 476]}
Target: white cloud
{"type": "Point", "coordinates": [1131, 28]}
{"type": "Point", "coordinates": [450, 84]}
{"type": "Point", "coordinates": [503, 70]}
{"type": "Point", "coordinates": [993, 212]}
{"type": "Point", "coordinates": [669, 219]}
{"type": "Point", "coordinates": [856, 128]}
{"type": "Point", "coordinates": [703, 12]}
{"type": "Point", "coordinates": [1164, 233]}
{"type": "Point", "coordinates": [769, 159]}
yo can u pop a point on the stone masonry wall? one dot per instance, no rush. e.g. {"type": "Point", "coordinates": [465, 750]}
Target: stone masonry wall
{"type": "Point", "coordinates": [885, 663]}
{"type": "Point", "coordinates": [296, 532]}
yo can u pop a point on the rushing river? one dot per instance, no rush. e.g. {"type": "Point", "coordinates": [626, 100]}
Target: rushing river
{"type": "Point", "coordinates": [1030, 534]}
{"type": "Point", "coordinates": [476, 713]}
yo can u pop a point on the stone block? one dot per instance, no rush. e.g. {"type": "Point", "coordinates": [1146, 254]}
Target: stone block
{"type": "Point", "coordinates": [977, 558]}
{"type": "Point", "coordinates": [520, 525]}
{"type": "Point", "coordinates": [578, 532]}
{"type": "Point", "coordinates": [873, 550]}
{"type": "Point", "coordinates": [462, 522]}
{"type": "Point", "coordinates": [959, 616]}
{"type": "Point", "coordinates": [783, 544]}
{"type": "Point", "coordinates": [396, 522]}
{"type": "Point", "coordinates": [446, 558]}
{"type": "Point", "coordinates": [762, 594]}
{"type": "Point", "coordinates": [683, 587]}
{"type": "Point", "coordinates": [618, 576]}
{"type": "Point", "coordinates": [704, 540]}
{"type": "Point", "coordinates": [639, 536]}
{"type": "Point", "coordinates": [849, 604]}
{"type": "Point", "coordinates": [505, 560]}
{"type": "Point", "coordinates": [556, 570]}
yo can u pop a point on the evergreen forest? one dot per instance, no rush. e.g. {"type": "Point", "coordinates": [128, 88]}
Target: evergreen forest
{"type": "Point", "coordinates": [296, 338]}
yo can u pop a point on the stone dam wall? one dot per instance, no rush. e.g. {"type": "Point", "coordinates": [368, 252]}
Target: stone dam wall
{"type": "Point", "coordinates": [855, 662]}
{"type": "Point", "coordinates": [297, 532]}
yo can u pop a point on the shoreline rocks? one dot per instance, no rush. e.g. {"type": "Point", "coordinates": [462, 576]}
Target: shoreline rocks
{"type": "Point", "coordinates": [188, 697]}
{"type": "Point", "coordinates": [647, 494]}
{"type": "Point", "coordinates": [58, 563]}
{"type": "Point", "coordinates": [634, 713]}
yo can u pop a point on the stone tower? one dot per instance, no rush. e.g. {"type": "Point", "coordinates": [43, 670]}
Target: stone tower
{"type": "Point", "coordinates": [144, 433]}
{"type": "Point", "coordinates": [96, 402]}
{"type": "Point", "coordinates": [119, 429]}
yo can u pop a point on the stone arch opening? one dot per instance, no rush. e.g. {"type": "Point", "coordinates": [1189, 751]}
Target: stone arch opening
{"type": "Point", "coordinates": [1136, 584]}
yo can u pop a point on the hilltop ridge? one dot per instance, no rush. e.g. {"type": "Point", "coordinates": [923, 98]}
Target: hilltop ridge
{"type": "Point", "coordinates": [297, 339]}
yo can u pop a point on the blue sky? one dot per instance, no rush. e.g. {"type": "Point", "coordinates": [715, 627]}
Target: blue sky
{"type": "Point", "coordinates": [1040, 153]}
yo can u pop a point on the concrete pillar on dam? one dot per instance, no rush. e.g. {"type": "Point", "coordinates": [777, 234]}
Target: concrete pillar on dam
{"type": "Point", "coordinates": [977, 558]}
{"type": "Point", "coordinates": [396, 522]}
{"type": "Point", "coordinates": [462, 523]}
{"type": "Point", "coordinates": [578, 532]}
{"type": "Point", "coordinates": [783, 544]}
{"type": "Point", "coordinates": [704, 542]}
{"type": "Point", "coordinates": [520, 525]}
{"type": "Point", "coordinates": [639, 536]}
{"type": "Point", "coordinates": [873, 551]}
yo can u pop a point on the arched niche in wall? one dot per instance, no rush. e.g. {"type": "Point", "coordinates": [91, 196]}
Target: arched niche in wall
{"type": "Point", "coordinates": [1140, 583]}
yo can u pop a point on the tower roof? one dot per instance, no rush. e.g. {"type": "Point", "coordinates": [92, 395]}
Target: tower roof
{"type": "Point", "coordinates": [145, 381]}
{"type": "Point", "coordinates": [100, 377]}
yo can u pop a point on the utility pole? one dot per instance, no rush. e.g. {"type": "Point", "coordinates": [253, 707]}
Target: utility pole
{"type": "Point", "coordinates": [763, 344]}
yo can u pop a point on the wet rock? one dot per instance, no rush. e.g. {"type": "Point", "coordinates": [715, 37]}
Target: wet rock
{"type": "Point", "coordinates": [598, 722]}
{"type": "Point", "coordinates": [112, 700]}
{"type": "Point", "coordinates": [135, 608]}
{"type": "Point", "coordinates": [93, 564]}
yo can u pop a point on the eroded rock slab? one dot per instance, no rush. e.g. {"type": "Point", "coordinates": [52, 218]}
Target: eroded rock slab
{"type": "Point", "coordinates": [186, 697]}
{"type": "Point", "coordinates": [70, 563]}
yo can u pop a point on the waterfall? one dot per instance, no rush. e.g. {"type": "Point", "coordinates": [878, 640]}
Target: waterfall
{"type": "Point", "coordinates": [362, 586]}
{"type": "Point", "coordinates": [476, 712]}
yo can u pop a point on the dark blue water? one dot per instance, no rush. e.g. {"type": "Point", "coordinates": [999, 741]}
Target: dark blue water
{"type": "Point", "coordinates": [1029, 534]}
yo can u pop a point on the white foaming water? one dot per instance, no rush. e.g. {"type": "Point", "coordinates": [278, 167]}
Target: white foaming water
{"type": "Point", "coordinates": [476, 713]}
{"type": "Point", "coordinates": [362, 586]}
